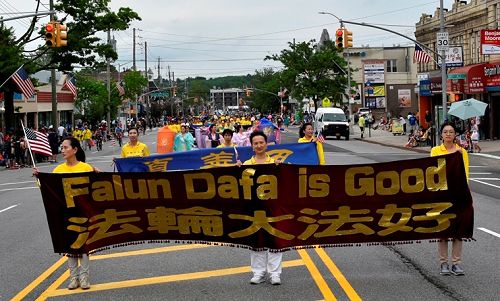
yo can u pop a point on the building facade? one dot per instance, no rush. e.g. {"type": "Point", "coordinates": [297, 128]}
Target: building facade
{"type": "Point", "coordinates": [386, 79]}
{"type": "Point", "coordinates": [476, 76]}
{"type": "Point", "coordinates": [221, 99]}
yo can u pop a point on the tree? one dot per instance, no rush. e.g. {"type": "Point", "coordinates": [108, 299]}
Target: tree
{"type": "Point", "coordinates": [311, 71]}
{"type": "Point", "coordinates": [267, 83]}
{"type": "Point", "coordinates": [93, 99]}
{"type": "Point", "coordinates": [84, 19]}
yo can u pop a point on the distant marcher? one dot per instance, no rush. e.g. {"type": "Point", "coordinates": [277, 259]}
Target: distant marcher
{"type": "Point", "coordinates": [183, 141]}
{"type": "Point", "coordinates": [134, 148]}
{"type": "Point", "coordinates": [227, 135]}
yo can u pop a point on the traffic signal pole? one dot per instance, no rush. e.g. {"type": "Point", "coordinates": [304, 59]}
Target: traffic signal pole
{"type": "Point", "coordinates": [53, 79]}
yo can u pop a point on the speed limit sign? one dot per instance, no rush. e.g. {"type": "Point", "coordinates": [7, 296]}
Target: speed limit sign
{"type": "Point", "coordinates": [442, 41]}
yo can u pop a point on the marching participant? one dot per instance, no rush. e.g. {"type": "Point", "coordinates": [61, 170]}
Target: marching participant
{"type": "Point", "coordinates": [74, 157]}
{"type": "Point", "coordinates": [263, 262]}
{"type": "Point", "coordinates": [183, 141]}
{"type": "Point", "coordinates": [134, 148]}
{"type": "Point", "coordinates": [307, 130]}
{"type": "Point", "coordinates": [227, 135]}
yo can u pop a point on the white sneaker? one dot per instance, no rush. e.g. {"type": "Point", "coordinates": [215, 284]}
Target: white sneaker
{"type": "Point", "coordinates": [275, 280]}
{"type": "Point", "coordinates": [85, 282]}
{"type": "Point", "coordinates": [256, 279]}
{"type": "Point", "coordinates": [73, 283]}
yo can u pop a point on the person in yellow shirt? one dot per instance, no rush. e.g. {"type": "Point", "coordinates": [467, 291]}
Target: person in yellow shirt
{"type": "Point", "coordinates": [263, 262]}
{"type": "Point", "coordinates": [77, 133]}
{"type": "Point", "coordinates": [448, 136]}
{"type": "Point", "coordinates": [134, 148]}
{"type": "Point", "coordinates": [74, 157]}
{"type": "Point", "coordinates": [87, 135]}
{"type": "Point", "coordinates": [227, 134]}
{"type": "Point", "coordinates": [361, 124]}
{"type": "Point", "coordinates": [308, 131]}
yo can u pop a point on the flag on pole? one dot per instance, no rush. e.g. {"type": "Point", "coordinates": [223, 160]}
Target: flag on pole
{"type": "Point", "coordinates": [38, 142]}
{"type": "Point", "coordinates": [121, 89]}
{"type": "Point", "coordinates": [71, 84]}
{"type": "Point", "coordinates": [24, 83]}
{"type": "Point", "coordinates": [420, 56]}
{"type": "Point", "coordinates": [320, 138]}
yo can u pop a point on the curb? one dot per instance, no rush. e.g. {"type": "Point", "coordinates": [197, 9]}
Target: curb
{"type": "Point", "coordinates": [395, 146]}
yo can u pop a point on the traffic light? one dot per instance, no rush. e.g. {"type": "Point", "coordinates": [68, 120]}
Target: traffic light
{"type": "Point", "coordinates": [62, 35]}
{"type": "Point", "coordinates": [347, 38]}
{"type": "Point", "coordinates": [339, 38]}
{"type": "Point", "coordinates": [50, 34]}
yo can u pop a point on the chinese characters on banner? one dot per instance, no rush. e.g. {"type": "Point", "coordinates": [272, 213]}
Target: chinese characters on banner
{"type": "Point", "coordinates": [264, 206]}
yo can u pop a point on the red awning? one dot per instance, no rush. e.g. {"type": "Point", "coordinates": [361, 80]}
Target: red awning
{"type": "Point", "coordinates": [475, 81]}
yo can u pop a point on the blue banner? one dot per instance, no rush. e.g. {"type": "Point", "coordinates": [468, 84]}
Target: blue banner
{"type": "Point", "coordinates": [294, 153]}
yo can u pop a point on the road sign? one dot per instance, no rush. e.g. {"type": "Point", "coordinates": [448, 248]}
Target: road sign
{"type": "Point", "coordinates": [442, 41]}
{"type": "Point", "coordinates": [456, 76]}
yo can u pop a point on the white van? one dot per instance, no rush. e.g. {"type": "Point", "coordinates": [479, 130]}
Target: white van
{"type": "Point", "coordinates": [331, 122]}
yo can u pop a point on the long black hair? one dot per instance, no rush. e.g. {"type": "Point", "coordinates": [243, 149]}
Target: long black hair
{"type": "Point", "coordinates": [75, 143]}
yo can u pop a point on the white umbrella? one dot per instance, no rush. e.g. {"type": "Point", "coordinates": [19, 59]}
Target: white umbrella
{"type": "Point", "coordinates": [467, 108]}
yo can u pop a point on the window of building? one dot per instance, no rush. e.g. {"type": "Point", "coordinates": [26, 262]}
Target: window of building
{"type": "Point", "coordinates": [391, 66]}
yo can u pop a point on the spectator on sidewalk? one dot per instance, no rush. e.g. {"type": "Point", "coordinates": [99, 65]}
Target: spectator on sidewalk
{"type": "Point", "coordinates": [361, 124]}
{"type": "Point", "coordinates": [428, 119]}
{"type": "Point", "coordinates": [402, 121]}
{"type": "Point", "coordinates": [412, 120]}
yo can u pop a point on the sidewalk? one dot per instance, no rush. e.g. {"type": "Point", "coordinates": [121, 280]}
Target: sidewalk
{"type": "Point", "coordinates": [490, 149]}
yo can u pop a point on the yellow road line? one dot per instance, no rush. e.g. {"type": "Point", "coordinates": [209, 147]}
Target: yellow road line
{"type": "Point", "coordinates": [22, 294]}
{"type": "Point", "coordinates": [349, 290]}
{"type": "Point", "coordinates": [53, 286]}
{"type": "Point", "coordinates": [149, 251]}
{"type": "Point", "coordinates": [317, 277]}
{"type": "Point", "coordinates": [163, 279]}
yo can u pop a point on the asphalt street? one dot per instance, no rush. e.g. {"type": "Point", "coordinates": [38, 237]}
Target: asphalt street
{"type": "Point", "coordinates": [29, 269]}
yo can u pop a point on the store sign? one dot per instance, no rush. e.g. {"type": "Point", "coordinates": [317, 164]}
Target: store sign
{"type": "Point", "coordinates": [490, 41]}
{"type": "Point", "coordinates": [374, 72]}
{"type": "Point", "coordinates": [425, 88]}
{"type": "Point", "coordinates": [492, 74]}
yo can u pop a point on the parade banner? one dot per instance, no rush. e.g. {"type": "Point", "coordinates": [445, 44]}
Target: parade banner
{"type": "Point", "coordinates": [294, 153]}
{"type": "Point", "coordinates": [276, 207]}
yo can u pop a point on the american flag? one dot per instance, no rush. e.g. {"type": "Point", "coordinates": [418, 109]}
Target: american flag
{"type": "Point", "coordinates": [38, 142]}
{"type": "Point", "coordinates": [420, 56]}
{"type": "Point", "coordinates": [320, 138]}
{"type": "Point", "coordinates": [121, 89]}
{"type": "Point", "coordinates": [24, 83]}
{"type": "Point", "coordinates": [71, 85]}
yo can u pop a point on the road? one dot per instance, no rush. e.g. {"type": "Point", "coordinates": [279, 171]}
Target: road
{"type": "Point", "coordinates": [31, 271]}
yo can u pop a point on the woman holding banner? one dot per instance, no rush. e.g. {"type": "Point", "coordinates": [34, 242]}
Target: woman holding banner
{"type": "Point", "coordinates": [263, 262]}
{"type": "Point", "coordinates": [308, 131]}
{"type": "Point", "coordinates": [448, 136]}
{"type": "Point", "coordinates": [74, 157]}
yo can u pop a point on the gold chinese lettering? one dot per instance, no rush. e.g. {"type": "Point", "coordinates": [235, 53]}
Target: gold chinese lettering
{"type": "Point", "coordinates": [261, 221]}
{"type": "Point", "coordinates": [388, 214]}
{"type": "Point", "coordinates": [158, 164]}
{"type": "Point", "coordinates": [434, 214]}
{"type": "Point", "coordinates": [110, 218]}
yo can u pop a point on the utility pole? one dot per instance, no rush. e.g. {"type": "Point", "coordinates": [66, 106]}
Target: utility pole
{"type": "Point", "coordinates": [53, 79]}
{"type": "Point", "coordinates": [443, 65]}
{"type": "Point", "coordinates": [146, 100]}
{"type": "Point", "coordinates": [134, 67]}
{"type": "Point", "coordinates": [159, 76]}
{"type": "Point", "coordinates": [108, 84]}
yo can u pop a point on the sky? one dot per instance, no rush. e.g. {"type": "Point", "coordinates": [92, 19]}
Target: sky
{"type": "Point", "coordinates": [214, 38]}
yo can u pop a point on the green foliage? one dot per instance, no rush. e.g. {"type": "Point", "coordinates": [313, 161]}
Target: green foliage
{"type": "Point", "coordinates": [134, 84]}
{"type": "Point", "coordinates": [270, 81]}
{"type": "Point", "coordinates": [312, 71]}
{"type": "Point", "coordinates": [9, 52]}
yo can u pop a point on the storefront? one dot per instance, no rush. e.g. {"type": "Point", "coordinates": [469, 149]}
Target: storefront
{"type": "Point", "coordinates": [491, 73]}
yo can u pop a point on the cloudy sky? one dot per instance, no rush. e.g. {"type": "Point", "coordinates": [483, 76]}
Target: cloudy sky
{"type": "Point", "coordinates": [213, 38]}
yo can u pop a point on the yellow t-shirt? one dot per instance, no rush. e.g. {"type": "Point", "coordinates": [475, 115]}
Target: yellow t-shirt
{"type": "Point", "coordinates": [139, 150]}
{"type": "Point", "coordinates": [319, 149]}
{"type": "Point", "coordinates": [223, 145]}
{"type": "Point", "coordinates": [87, 134]}
{"type": "Point", "coordinates": [441, 150]}
{"type": "Point", "coordinates": [252, 161]}
{"type": "Point", "coordinates": [80, 167]}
